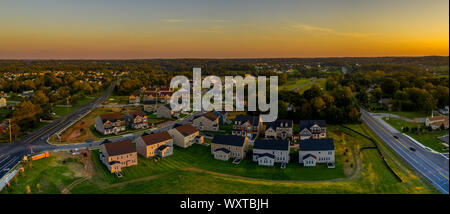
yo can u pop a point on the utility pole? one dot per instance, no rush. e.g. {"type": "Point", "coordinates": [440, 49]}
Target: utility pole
{"type": "Point", "coordinates": [10, 136]}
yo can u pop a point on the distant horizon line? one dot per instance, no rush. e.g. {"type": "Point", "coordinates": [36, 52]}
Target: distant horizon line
{"type": "Point", "coordinates": [327, 57]}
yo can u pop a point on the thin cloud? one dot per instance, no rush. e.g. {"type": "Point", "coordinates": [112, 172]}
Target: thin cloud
{"type": "Point", "coordinates": [172, 20]}
{"type": "Point", "coordinates": [311, 28]}
{"type": "Point", "coordinates": [305, 27]}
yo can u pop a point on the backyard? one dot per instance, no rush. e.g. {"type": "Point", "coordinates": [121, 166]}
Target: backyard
{"type": "Point", "coordinates": [193, 170]}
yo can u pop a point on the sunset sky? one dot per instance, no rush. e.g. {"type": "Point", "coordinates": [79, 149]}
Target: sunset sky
{"type": "Point", "coordinates": [136, 29]}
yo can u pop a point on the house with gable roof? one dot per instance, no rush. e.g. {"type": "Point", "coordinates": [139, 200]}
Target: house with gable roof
{"type": "Point", "coordinates": [224, 147]}
{"type": "Point", "coordinates": [314, 151]}
{"type": "Point", "coordinates": [206, 122]}
{"type": "Point", "coordinates": [111, 123]}
{"type": "Point", "coordinates": [185, 135]}
{"type": "Point", "coordinates": [315, 129]}
{"type": "Point", "coordinates": [157, 144]}
{"type": "Point", "coordinates": [245, 125]}
{"type": "Point", "coordinates": [279, 129]}
{"type": "Point", "coordinates": [270, 151]}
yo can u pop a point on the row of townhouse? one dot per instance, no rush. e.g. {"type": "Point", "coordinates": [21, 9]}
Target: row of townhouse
{"type": "Point", "coordinates": [270, 151]}
{"type": "Point", "coordinates": [155, 93]}
{"type": "Point", "coordinates": [114, 123]}
{"type": "Point", "coordinates": [251, 126]}
{"type": "Point", "coordinates": [117, 155]}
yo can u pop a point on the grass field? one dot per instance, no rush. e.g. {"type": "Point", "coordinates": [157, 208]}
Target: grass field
{"type": "Point", "coordinates": [429, 139]}
{"type": "Point", "coordinates": [61, 111]}
{"type": "Point", "coordinates": [50, 173]}
{"type": "Point", "coordinates": [193, 170]}
{"type": "Point", "coordinates": [302, 84]}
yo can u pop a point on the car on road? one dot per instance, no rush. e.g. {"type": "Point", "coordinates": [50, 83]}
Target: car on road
{"type": "Point", "coordinates": [412, 149]}
{"type": "Point", "coordinates": [396, 137]}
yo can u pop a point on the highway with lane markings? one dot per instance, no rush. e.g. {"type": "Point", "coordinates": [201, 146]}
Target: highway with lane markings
{"type": "Point", "coordinates": [36, 142]}
{"type": "Point", "coordinates": [433, 166]}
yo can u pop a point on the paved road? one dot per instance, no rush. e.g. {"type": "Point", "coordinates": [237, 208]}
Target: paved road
{"type": "Point", "coordinates": [433, 166]}
{"type": "Point", "coordinates": [11, 154]}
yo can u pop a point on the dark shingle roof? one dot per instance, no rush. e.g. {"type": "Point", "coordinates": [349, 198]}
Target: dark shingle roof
{"type": "Point", "coordinates": [280, 123]}
{"type": "Point", "coordinates": [271, 144]}
{"type": "Point", "coordinates": [309, 123]}
{"type": "Point", "coordinates": [254, 120]}
{"type": "Point", "coordinates": [316, 144]}
{"type": "Point", "coordinates": [232, 140]}
{"type": "Point", "coordinates": [186, 129]}
{"type": "Point", "coordinates": [137, 113]}
{"type": "Point", "coordinates": [150, 139]}
{"type": "Point", "coordinates": [119, 148]}
{"type": "Point", "coordinates": [113, 117]}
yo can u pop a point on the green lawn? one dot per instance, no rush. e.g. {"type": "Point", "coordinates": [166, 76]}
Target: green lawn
{"type": "Point", "coordinates": [50, 173]}
{"type": "Point", "coordinates": [193, 170]}
{"type": "Point", "coordinates": [301, 83]}
{"type": "Point", "coordinates": [426, 138]}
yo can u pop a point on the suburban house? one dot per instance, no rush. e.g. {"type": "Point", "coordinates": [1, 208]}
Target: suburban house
{"type": "Point", "coordinates": [137, 120]}
{"type": "Point", "coordinates": [116, 155]}
{"type": "Point", "coordinates": [315, 129]}
{"type": "Point", "coordinates": [222, 117]}
{"type": "Point", "coordinates": [134, 99]}
{"type": "Point", "coordinates": [150, 96]}
{"type": "Point", "coordinates": [164, 111]}
{"type": "Point", "coordinates": [437, 121]}
{"type": "Point", "coordinates": [248, 126]}
{"type": "Point", "coordinates": [313, 151]}
{"type": "Point", "coordinates": [207, 122]}
{"type": "Point", "coordinates": [185, 135]}
{"type": "Point", "coordinates": [224, 147]}
{"type": "Point", "coordinates": [111, 123]}
{"type": "Point", "coordinates": [281, 129]}
{"type": "Point", "coordinates": [149, 105]}
{"type": "Point", "coordinates": [270, 151]}
{"type": "Point", "coordinates": [158, 144]}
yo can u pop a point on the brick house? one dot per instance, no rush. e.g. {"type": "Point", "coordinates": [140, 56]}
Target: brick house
{"type": "Point", "coordinates": [315, 129]}
{"type": "Point", "coordinates": [185, 135]}
{"type": "Point", "coordinates": [279, 129]}
{"type": "Point", "coordinates": [158, 144]}
{"type": "Point", "coordinates": [117, 155]}
{"type": "Point", "coordinates": [137, 120]}
{"type": "Point", "coordinates": [206, 122]}
{"type": "Point", "coordinates": [111, 123]}
{"type": "Point", "coordinates": [224, 147]}
{"type": "Point", "coordinates": [313, 151]}
{"type": "Point", "coordinates": [248, 126]}
{"type": "Point", "coordinates": [270, 151]}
